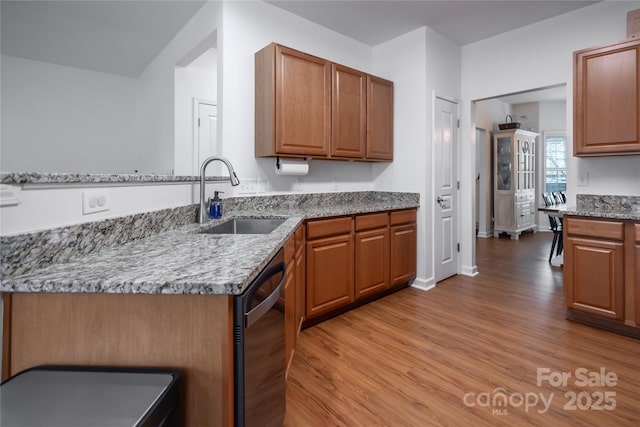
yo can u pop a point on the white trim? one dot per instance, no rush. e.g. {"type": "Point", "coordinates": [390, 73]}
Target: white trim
{"type": "Point", "coordinates": [424, 284]}
{"type": "Point", "coordinates": [469, 270]}
{"type": "Point", "coordinates": [488, 234]}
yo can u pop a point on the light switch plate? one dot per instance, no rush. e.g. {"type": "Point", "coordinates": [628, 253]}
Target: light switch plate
{"type": "Point", "coordinates": [95, 201]}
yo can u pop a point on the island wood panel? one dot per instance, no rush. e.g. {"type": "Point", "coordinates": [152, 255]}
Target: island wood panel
{"type": "Point", "coordinates": [191, 333]}
{"type": "Point", "coordinates": [6, 336]}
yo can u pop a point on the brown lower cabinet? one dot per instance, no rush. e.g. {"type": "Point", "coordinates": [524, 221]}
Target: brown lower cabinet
{"type": "Point", "coordinates": [601, 280]}
{"type": "Point", "coordinates": [372, 254]}
{"type": "Point", "coordinates": [329, 278]}
{"type": "Point", "coordinates": [403, 246]}
{"type": "Point", "coordinates": [350, 259]}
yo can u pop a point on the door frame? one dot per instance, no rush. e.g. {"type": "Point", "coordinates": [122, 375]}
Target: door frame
{"type": "Point", "coordinates": [195, 146]}
{"type": "Point", "coordinates": [437, 95]}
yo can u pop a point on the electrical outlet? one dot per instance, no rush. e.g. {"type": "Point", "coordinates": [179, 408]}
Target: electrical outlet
{"type": "Point", "coordinates": [95, 201]}
{"type": "Point", "coordinates": [298, 185]}
{"type": "Point", "coordinates": [583, 179]}
{"type": "Point", "coordinates": [247, 186]}
{"type": "Point", "coordinates": [335, 184]}
{"type": "Point", "coordinates": [262, 185]}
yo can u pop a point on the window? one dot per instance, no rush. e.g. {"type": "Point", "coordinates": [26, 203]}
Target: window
{"type": "Point", "coordinates": [555, 161]}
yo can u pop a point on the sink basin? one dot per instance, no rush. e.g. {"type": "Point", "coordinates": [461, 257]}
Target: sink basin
{"type": "Point", "coordinates": [245, 226]}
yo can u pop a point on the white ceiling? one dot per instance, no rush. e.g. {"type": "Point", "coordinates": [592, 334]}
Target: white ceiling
{"type": "Point", "coordinates": [117, 37]}
{"type": "Point", "coordinates": [122, 37]}
{"type": "Point", "coordinates": [464, 22]}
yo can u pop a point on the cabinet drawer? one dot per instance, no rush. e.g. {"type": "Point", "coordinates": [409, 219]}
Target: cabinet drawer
{"type": "Point", "coordinates": [328, 227]}
{"type": "Point", "coordinates": [594, 228]}
{"type": "Point", "coordinates": [637, 232]}
{"type": "Point", "coordinates": [521, 197]}
{"type": "Point", "coordinates": [367, 222]}
{"type": "Point", "coordinates": [403, 217]}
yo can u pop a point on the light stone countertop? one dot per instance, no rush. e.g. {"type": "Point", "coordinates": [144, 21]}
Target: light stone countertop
{"type": "Point", "coordinates": [183, 261]}
{"type": "Point", "coordinates": [606, 206]}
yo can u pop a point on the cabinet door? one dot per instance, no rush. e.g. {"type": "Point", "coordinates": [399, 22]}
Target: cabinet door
{"type": "Point", "coordinates": [303, 103]}
{"type": "Point", "coordinates": [329, 274]}
{"type": "Point", "coordinates": [372, 262]}
{"type": "Point", "coordinates": [379, 119]}
{"type": "Point", "coordinates": [348, 115]}
{"type": "Point", "coordinates": [300, 277]}
{"type": "Point", "coordinates": [403, 253]}
{"type": "Point", "coordinates": [607, 100]}
{"type": "Point", "coordinates": [289, 313]}
{"type": "Point", "coordinates": [594, 276]}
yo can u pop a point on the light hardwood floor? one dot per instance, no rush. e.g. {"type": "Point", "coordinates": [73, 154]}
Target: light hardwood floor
{"type": "Point", "coordinates": [411, 358]}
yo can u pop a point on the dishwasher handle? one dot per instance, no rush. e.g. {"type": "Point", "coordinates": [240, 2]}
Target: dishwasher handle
{"type": "Point", "coordinates": [250, 317]}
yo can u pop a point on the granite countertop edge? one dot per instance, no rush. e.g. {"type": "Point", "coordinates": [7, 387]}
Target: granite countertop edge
{"type": "Point", "coordinates": [182, 261]}
{"type": "Point", "coordinates": [626, 215]}
{"type": "Point", "coordinates": [27, 178]}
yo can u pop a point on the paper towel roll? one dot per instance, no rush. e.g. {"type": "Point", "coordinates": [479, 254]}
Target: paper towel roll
{"type": "Point", "coordinates": [291, 167]}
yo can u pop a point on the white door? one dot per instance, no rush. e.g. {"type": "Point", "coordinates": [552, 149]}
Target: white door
{"type": "Point", "coordinates": [445, 177]}
{"type": "Point", "coordinates": [206, 141]}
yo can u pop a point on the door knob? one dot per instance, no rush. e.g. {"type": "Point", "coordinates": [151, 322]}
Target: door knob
{"type": "Point", "coordinates": [441, 202]}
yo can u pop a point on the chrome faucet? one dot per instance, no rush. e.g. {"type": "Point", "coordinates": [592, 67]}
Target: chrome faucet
{"type": "Point", "coordinates": [232, 177]}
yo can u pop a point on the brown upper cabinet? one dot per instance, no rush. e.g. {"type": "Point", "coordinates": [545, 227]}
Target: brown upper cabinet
{"type": "Point", "coordinates": [379, 118]}
{"type": "Point", "coordinates": [607, 100]}
{"type": "Point", "coordinates": [348, 113]}
{"type": "Point", "coordinates": [306, 106]}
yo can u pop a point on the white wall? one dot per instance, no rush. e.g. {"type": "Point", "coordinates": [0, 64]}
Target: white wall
{"type": "Point", "coordinates": [247, 28]}
{"type": "Point", "coordinates": [420, 64]}
{"type": "Point", "coordinates": [404, 60]}
{"type": "Point", "coordinates": [199, 79]}
{"type": "Point", "coordinates": [82, 119]}
{"type": "Point", "coordinates": [156, 130]}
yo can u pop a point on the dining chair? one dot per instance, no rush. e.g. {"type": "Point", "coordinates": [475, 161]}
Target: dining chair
{"type": "Point", "coordinates": [555, 225]}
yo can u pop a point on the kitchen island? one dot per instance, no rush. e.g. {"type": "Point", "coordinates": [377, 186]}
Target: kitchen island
{"type": "Point", "coordinates": [161, 300]}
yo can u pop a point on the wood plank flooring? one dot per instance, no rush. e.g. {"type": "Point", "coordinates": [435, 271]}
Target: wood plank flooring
{"type": "Point", "coordinates": [411, 358]}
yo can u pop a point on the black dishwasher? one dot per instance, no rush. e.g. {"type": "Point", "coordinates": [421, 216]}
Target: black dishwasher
{"type": "Point", "coordinates": [259, 349]}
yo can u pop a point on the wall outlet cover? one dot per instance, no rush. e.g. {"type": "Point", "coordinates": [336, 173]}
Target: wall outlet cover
{"type": "Point", "coordinates": [95, 201]}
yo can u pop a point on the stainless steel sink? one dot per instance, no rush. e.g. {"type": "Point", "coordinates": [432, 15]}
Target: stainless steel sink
{"type": "Point", "coordinates": [246, 226]}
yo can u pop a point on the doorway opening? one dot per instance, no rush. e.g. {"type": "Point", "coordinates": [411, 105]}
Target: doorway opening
{"type": "Point", "coordinates": [195, 97]}
{"type": "Point", "coordinates": [543, 111]}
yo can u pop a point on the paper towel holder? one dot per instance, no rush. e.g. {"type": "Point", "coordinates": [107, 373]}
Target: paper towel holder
{"type": "Point", "coordinates": [278, 161]}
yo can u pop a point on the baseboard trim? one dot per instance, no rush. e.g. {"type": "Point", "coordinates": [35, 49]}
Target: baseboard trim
{"type": "Point", "coordinates": [469, 270]}
{"type": "Point", "coordinates": [485, 234]}
{"type": "Point", "coordinates": [423, 284]}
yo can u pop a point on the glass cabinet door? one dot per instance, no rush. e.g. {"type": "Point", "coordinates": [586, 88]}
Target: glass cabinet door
{"type": "Point", "coordinates": [504, 163]}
